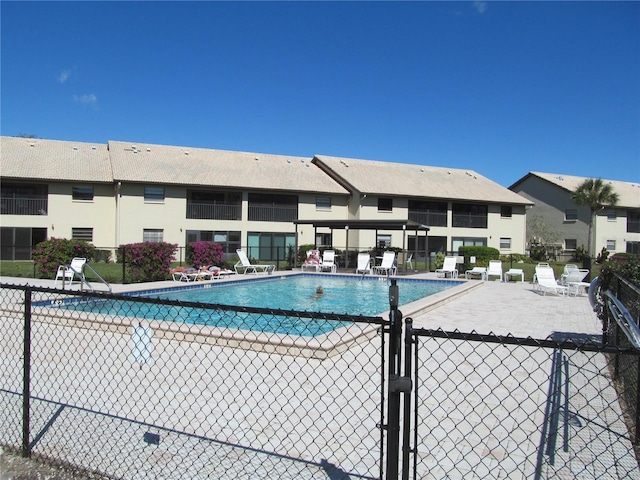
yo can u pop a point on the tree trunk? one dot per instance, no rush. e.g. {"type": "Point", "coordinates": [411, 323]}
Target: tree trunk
{"type": "Point", "coordinates": [589, 252]}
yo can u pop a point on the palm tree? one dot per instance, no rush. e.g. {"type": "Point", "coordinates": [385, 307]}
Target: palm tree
{"type": "Point", "coordinates": [596, 194]}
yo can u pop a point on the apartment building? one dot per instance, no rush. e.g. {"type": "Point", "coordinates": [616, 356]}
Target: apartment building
{"type": "Point", "coordinates": [124, 192]}
{"type": "Point", "coordinates": [617, 229]}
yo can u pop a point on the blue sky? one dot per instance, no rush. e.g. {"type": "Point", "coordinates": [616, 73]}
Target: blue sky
{"type": "Point", "coordinates": [502, 88]}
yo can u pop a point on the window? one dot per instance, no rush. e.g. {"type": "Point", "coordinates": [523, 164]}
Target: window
{"type": "Point", "coordinates": [433, 214]}
{"type": "Point", "coordinates": [16, 243]}
{"type": "Point", "coordinates": [85, 234]}
{"type": "Point", "coordinates": [323, 239]}
{"type": "Point", "coordinates": [633, 221]}
{"type": "Point", "coordinates": [611, 245]}
{"type": "Point", "coordinates": [269, 207]}
{"type": "Point", "coordinates": [469, 215]}
{"type": "Point", "coordinates": [323, 203]}
{"type": "Point", "coordinates": [154, 194]}
{"type": "Point", "coordinates": [152, 235]}
{"type": "Point", "coordinates": [229, 240]}
{"type": "Point", "coordinates": [214, 205]}
{"type": "Point", "coordinates": [383, 241]}
{"type": "Point", "coordinates": [570, 243]}
{"type": "Point", "coordinates": [84, 193]}
{"type": "Point", "coordinates": [22, 199]}
{"type": "Point", "coordinates": [505, 243]}
{"type": "Point", "coordinates": [457, 242]}
{"type": "Point", "coordinates": [611, 216]}
{"type": "Point", "coordinates": [506, 211]}
{"type": "Point", "coordinates": [570, 215]}
{"type": "Point", "coordinates": [385, 204]}
{"type": "Point", "coordinates": [633, 247]}
{"type": "Point", "coordinates": [267, 246]}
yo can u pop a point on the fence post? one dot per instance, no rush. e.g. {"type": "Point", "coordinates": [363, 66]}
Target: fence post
{"type": "Point", "coordinates": [124, 263]}
{"type": "Point", "coordinates": [393, 408]}
{"type": "Point", "coordinates": [406, 426]}
{"type": "Point", "coordinates": [26, 371]}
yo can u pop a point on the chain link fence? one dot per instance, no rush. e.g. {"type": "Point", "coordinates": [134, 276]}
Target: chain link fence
{"type": "Point", "coordinates": [142, 388]}
{"type": "Point", "coordinates": [506, 407]}
{"type": "Point", "coordinates": [130, 387]}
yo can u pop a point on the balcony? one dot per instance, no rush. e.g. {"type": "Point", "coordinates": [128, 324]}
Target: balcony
{"type": "Point", "coordinates": [469, 221]}
{"type": "Point", "coordinates": [431, 219]}
{"type": "Point", "coordinates": [273, 213]}
{"type": "Point", "coordinates": [214, 211]}
{"type": "Point", "coordinates": [23, 206]}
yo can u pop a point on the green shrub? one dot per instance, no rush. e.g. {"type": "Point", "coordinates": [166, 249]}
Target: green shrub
{"type": "Point", "coordinates": [627, 266]}
{"type": "Point", "coordinates": [514, 257]}
{"type": "Point", "coordinates": [579, 254]}
{"type": "Point", "coordinates": [149, 261]}
{"type": "Point", "coordinates": [603, 255]}
{"type": "Point", "coordinates": [50, 254]}
{"type": "Point", "coordinates": [483, 255]}
{"type": "Point", "coordinates": [102, 256]}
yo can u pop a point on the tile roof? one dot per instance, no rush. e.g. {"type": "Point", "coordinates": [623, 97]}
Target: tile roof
{"type": "Point", "coordinates": [628, 192]}
{"type": "Point", "coordinates": [37, 159]}
{"type": "Point", "coordinates": [407, 180]}
{"type": "Point", "coordinates": [147, 163]}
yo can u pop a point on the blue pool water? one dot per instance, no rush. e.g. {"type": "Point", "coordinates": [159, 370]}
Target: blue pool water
{"type": "Point", "coordinates": [341, 295]}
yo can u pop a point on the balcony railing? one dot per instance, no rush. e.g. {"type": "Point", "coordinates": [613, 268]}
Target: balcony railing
{"type": "Point", "coordinates": [213, 211]}
{"type": "Point", "coordinates": [469, 221]}
{"type": "Point", "coordinates": [23, 206]}
{"type": "Point", "coordinates": [431, 219]}
{"type": "Point", "coordinates": [280, 213]}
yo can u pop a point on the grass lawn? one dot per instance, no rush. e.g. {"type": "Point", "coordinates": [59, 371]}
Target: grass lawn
{"type": "Point", "coordinates": [112, 272]}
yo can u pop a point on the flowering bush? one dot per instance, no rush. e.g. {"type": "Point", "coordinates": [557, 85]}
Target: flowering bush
{"type": "Point", "coordinates": [50, 254]}
{"type": "Point", "coordinates": [204, 253]}
{"type": "Point", "coordinates": [149, 261]}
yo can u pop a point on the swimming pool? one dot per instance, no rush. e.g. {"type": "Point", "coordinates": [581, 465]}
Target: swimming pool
{"type": "Point", "coordinates": [343, 295]}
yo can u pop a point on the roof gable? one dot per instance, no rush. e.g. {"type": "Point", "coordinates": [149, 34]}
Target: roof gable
{"type": "Point", "coordinates": [407, 180]}
{"type": "Point", "coordinates": [147, 163]}
{"type": "Point", "coordinates": [37, 159]}
{"type": "Point", "coordinates": [628, 192]}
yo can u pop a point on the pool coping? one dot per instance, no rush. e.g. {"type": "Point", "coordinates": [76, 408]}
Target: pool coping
{"type": "Point", "coordinates": [319, 347]}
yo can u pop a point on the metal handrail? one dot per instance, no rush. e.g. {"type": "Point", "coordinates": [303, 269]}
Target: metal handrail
{"type": "Point", "coordinates": [97, 275]}
{"type": "Point", "coordinates": [623, 318]}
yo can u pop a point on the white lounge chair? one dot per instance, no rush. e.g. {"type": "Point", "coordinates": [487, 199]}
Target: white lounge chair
{"type": "Point", "coordinates": [448, 268]}
{"type": "Point", "coordinates": [67, 273]}
{"type": "Point", "coordinates": [329, 261]}
{"type": "Point", "coordinates": [514, 272]}
{"type": "Point", "coordinates": [545, 280]}
{"type": "Point", "coordinates": [476, 272]}
{"type": "Point", "coordinates": [364, 263]}
{"type": "Point", "coordinates": [312, 262]}
{"type": "Point", "coordinates": [388, 265]}
{"type": "Point", "coordinates": [574, 280]}
{"type": "Point", "coordinates": [243, 265]}
{"type": "Point", "coordinates": [494, 269]}
{"type": "Point", "coordinates": [184, 274]}
{"type": "Point", "coordinates": [409, 261]}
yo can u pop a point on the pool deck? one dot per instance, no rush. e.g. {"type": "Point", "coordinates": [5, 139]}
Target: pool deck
{"type": "Point", "coordinates": [480, 306]}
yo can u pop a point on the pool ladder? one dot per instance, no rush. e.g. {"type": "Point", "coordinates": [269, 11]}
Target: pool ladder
{"type": "Point", "coordinates": [83, 279]}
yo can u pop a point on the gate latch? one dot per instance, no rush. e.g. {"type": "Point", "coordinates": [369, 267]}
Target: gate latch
{"type": "Point", "coordinates": [400, 384]}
